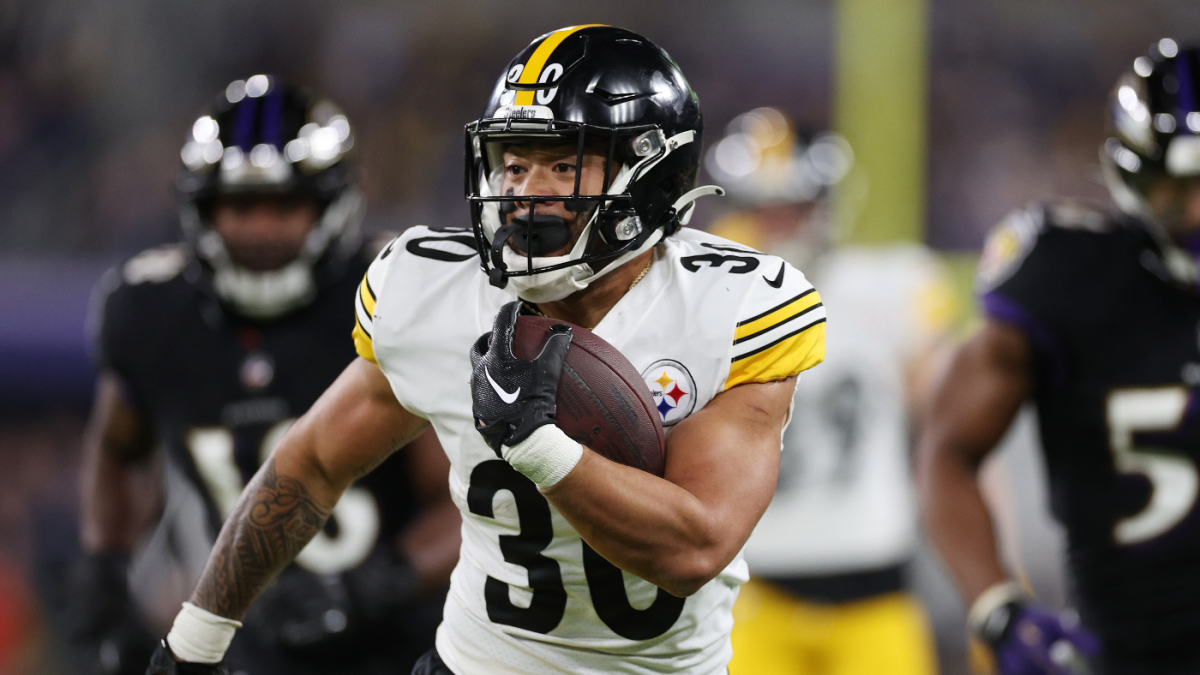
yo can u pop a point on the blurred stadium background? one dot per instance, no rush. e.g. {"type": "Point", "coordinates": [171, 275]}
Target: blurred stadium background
{"type": "Point", "coordinates": [958, 111]}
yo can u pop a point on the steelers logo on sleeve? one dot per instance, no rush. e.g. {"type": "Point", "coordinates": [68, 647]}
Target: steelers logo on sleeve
{"type": "Point", "coordinates": [673, 388]}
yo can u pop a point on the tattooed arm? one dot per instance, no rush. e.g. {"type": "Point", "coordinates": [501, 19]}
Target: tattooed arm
{"type": "Point", "coordinates": [348, 432]}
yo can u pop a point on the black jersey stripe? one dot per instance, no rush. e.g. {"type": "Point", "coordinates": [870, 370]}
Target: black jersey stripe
{"type": "Point", "coordinates": [776, 308]}
{"type": "Point", "coordinates": [371, 291]}
{"type": "Point", "coordinates": [773, 327]}
{"type": "Point", "coordinates": [765, 347]}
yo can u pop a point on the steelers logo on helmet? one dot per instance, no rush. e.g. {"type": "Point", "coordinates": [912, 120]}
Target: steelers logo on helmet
{"type": "Point", "coordinates": [673, 388]}
{"type": "Point", "coordinates": [591, 92]}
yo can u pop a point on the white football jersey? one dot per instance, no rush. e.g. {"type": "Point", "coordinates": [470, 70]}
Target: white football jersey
{"type": "Point", "coordinates": [844, 501]}
{"type": "Point", "coordinates": [528, 595]}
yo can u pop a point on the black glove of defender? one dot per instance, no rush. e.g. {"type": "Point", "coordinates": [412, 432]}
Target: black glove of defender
{"type": "Point", "coordinates": [163, 662]}
{"type": "Point", "coordinates": [102, 618]}
{"type": "Point", "coordinates": [306, 613]}
{"type": "Point", "coordinates": [511, 398]}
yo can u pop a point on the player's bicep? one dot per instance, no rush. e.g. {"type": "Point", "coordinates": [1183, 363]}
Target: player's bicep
{"type": "Point", "coordinates": [727, 453]}
{"type": "Point", "coordinates": [978, 397]}
{"type": "Point", "coordinates": [355, 425]}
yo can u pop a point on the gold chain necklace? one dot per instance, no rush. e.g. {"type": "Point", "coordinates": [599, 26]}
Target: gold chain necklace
{"type": "Point", "coordinates": [643, 273]}
{"type": "Point", "coordinates": [537, 311]}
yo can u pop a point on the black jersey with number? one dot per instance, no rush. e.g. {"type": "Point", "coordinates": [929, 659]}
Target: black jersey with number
{"type": "Point", "coordinates": [218, 391]}
{"type": "Point", "coordinates": [1117, 366]}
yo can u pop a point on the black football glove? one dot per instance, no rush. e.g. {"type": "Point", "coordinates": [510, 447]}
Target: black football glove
{"type": "Point", "coordinates": [102, 618]}
{"type": "Point", "coordinates": [163, 662]}
{"type": "Point", "coordinates": [511, 398]}
{"type": "Point", "coordinates": [305, 613]}
{"type": "Point", "coordinates": [383, 586]}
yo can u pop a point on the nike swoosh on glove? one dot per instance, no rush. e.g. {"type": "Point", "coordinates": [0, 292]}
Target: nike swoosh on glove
{"type": "Point", "coordinates": [511, 398]}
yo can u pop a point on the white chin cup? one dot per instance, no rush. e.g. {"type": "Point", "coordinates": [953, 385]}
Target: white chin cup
{"type": "Point", "coordinates": [546, 286]}
{"type": "Point", "coordinates": [556, 285]}
{"type": "Point", "coordinates": [264, 295]}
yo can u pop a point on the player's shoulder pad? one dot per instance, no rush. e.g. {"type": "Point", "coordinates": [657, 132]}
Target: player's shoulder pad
{"type": "Point", "coordinates": [780, 328]}
{"type": "Point", "coordinates": [439, 244]}
{"type": "Point", "coordinates": [418, 244]}
{"type": "Point", "coordinates": [156, 265]}
{"type": "Point", "coordinates": [129, 302]}
{"type": "Point", "coordinates": [1022, 230]}
{"type": "Point", "coordinates": [148, 282]}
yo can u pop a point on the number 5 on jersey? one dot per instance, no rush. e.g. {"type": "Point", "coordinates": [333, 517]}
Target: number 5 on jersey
{"type": "Point", "coordinates": [1172, 476]}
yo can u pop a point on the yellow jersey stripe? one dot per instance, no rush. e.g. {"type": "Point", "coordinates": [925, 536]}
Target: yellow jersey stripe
{"type": "Point", "coordinates": [797, 315]}
{"type": "Point", "coordinates": [362, 342]}
{"type": "Point", "coordinates": [775, 316]}
{"type": "Point", "coordinates": [784, 358]}
{"type": "Point", "coordinates": [537, 60]}
{"type": "Point", "coordinates": [367, 297]}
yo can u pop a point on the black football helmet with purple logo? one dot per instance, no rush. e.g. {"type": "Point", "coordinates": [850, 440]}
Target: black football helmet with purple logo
{"type": "Point", "coordinates": [264, 137]}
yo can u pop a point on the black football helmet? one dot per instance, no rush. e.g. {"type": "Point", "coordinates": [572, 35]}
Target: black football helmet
{"type": "Point", "coordinates": [262, 136]}
{"type": "Point", "coordinates": [592, 87]}
{"type": "Point", "coordinates": [1154, 116]}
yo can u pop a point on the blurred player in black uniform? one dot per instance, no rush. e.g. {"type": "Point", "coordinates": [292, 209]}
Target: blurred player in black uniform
{"type": "Point", "coordinates": [210, 349]}
{"type": "Point", "coordinates": [1096, 316]}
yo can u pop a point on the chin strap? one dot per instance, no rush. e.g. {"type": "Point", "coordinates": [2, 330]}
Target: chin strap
{"type": "Point", "coordinates": [683, 205]}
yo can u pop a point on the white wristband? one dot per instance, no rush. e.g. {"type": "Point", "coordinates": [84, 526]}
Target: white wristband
{"type": "Point", "coordinates": [546, 457]}
{"type": "Point", "coordinates": [996, 596]}
{"type": "Point", "coordinates": [199, 636]}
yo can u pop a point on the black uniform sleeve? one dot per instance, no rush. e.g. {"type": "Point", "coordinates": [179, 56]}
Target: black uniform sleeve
{"type": "Point", "coordinates": [1043, 270]}
{"type": "Point", "coordinates": [131, 306]}
{"type": "Point", "coordinates": [108, 322]}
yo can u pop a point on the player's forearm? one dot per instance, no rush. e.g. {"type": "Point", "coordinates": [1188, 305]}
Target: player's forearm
{"type": "Point", "coordinates": [275, 518]}
{"type": "Point", "coordinates": [958, 521]}
{"type": "Point", "coordinates": [974, 405]}
{"type": "Point", "coordinates": [643, 524]}
{"type": "Point", "coordinates": [116, 445]}
{"type": "Point", "coordinates": [107, 513]}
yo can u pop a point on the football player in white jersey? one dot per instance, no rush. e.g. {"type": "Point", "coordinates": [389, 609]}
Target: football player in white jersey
{"type": "Point", "coordinates": [580, 176]}
{"type": "Point", "coordinates": [828, 557]}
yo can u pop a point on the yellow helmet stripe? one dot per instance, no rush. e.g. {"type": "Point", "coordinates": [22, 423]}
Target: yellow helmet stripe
{"type": "Point", "coordinates": [537, 60]}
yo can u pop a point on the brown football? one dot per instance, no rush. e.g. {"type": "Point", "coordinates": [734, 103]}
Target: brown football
{"type": "Point", "coordinates": [603, 402]}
